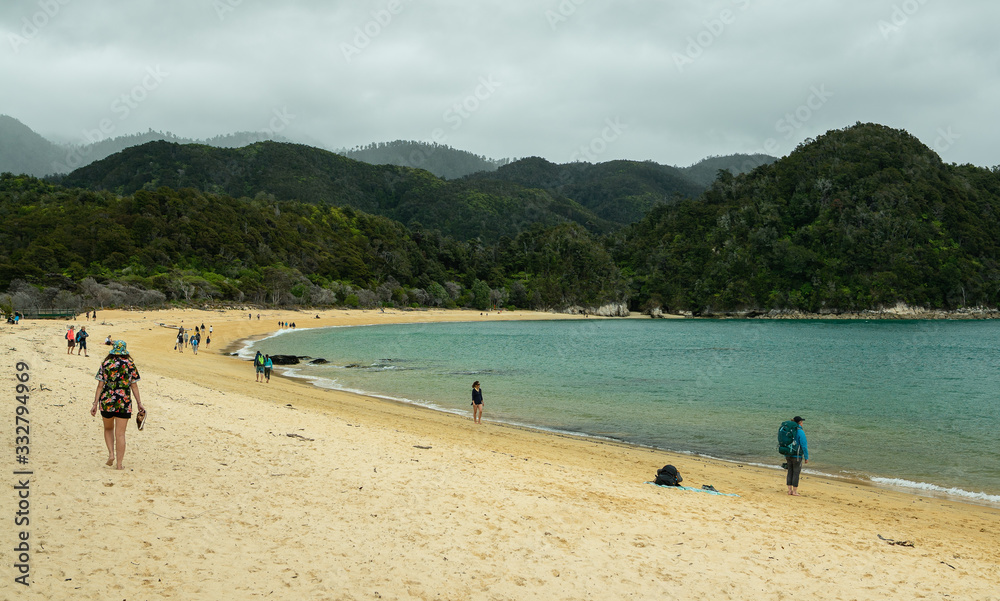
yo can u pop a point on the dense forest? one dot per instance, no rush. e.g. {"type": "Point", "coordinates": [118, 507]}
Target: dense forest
{"type": "Point", "coordinates": [196, 246]}
{"type": "Point", "coordinates": [859, 218]}
{"type": "Point", "coordinates": [441, 160]}
{"type": "Point", "coordinates": [483, 209]}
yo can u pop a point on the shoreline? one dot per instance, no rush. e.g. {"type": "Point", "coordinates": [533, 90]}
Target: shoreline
{"type": "Point", "coordinates": [323, 494]}
{"type": "Point", "coordinates": [882, 481]}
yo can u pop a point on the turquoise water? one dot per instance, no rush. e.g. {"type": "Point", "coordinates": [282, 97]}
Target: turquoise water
{"type": "Point", "coordinates": [906, 403]}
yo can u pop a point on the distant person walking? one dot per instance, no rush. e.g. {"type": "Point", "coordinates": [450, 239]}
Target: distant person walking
{"type": "Point", "coordinates": [116, 385]}
{"type": "Point", "coordinates": [70, 340]}
{"type": "Point", "coordinates": [268, 364]}
{"type": "Point", "coordinates": [179, 345]}
{"type": "Point", "coordinates": [798, 454]}
{"type": "Point", "coordinates": [477, 403]}
{"type": "Point", "coordinates": [195, 341]}
{"type": "Point", "coordinates": [81, 340]}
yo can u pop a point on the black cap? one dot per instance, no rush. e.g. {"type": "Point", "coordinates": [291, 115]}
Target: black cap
{"type": "Point", "coordinates": [798, 419]}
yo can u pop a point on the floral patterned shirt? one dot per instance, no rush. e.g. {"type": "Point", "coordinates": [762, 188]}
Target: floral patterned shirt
{"type": "Point", "coordinates": [117, 373]}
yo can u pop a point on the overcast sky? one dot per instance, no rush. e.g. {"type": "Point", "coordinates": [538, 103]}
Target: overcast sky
{"type": "Point", "coordinates": [670, 81]}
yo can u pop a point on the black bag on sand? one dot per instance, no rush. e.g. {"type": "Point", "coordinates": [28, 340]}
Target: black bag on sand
{"type": "Point", "coordinates": [668, 476]}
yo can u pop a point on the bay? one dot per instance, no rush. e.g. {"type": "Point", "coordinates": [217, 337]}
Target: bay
{"type": "Point", "coordinates": [911, 404]}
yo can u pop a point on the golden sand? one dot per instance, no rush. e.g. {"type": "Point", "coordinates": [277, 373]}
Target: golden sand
{"type": "Point", "coordinates": [240, 490]}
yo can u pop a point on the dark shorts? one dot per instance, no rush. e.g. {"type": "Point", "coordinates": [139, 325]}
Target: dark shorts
{"type": "Point", "coordinates": [477, 402]}
{"type": "Point", "coordinates": [110, 414]}
{"type": "Point", "coordinates": [83, 344]}
{"type": "Point", "coordinates": [71, 343]}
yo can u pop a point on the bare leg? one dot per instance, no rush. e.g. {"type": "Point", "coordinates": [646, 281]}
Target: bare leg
{"type": "Point", "coordinates": [109, 438]}
{"type": "Point", "coordinates": [120, 424]}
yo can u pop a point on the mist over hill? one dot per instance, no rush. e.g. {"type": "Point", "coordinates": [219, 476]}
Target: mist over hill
{"type": "Point", "coordinates": [705, 171]}
{"type": "Point", "coordinates": [441, 160]}
{"type": "Point", "coordinates": [24, 151]}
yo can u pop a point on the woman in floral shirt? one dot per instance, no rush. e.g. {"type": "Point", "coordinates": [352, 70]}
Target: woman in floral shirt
{"type": "Point", "coordinates": [116, 382]}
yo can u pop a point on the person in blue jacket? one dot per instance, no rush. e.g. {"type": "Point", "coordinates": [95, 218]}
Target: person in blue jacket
{"type": "Point", "coordinates": [795, 461]}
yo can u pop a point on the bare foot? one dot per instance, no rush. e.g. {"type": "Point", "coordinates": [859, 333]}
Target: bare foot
{"type": "Point", "coordinates": [111, 461]}
{"type": "Point", "coordinates": [795, 494]}
{"type": "Point", "coordinates": [119, 468]}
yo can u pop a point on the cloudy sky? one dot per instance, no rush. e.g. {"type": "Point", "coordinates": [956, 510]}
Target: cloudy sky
{"type": "Point", "coordinates": [671, 81]}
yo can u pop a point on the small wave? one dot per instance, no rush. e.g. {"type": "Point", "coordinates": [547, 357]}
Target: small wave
{"type": "Point", "coordinates": [924, 486]}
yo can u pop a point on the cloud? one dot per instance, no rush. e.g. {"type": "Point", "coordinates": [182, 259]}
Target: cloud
{"type": "Point", "coordinates": [688, 78]}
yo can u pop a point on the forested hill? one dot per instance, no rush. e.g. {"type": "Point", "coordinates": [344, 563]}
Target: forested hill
{"type": "Point", "coordinates": [63, 247]}
{"type": "Point", "coordinates": [24, 151]}
{"type": "Point", "coordinates": [706, 170]}
{"type": "Point", "coordinates": [619, 191]}
{"type": "Point", "coordinates": [860, 218]}
{"type": "Point", "coordinates": [441, 160]}
{"type": "Point", "coordinates": [295, 172]}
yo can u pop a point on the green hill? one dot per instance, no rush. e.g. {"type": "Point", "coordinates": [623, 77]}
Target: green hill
{"type": "Point", "coordinates": [860, 218]}
{"type": "Point", "coordinates": [196, 246]}
{"type": "Point", "coordinates": [705, 171]}
{"type": "Point", "coordinates": [617, 191]}
{"type": "Point", "coordinates": [296, 172]}
{"type": "Point", "coordinates": [441, 160]}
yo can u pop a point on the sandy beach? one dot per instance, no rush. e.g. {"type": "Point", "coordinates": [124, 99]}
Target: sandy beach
{"type": "Point", "coordinates": [240, 490]}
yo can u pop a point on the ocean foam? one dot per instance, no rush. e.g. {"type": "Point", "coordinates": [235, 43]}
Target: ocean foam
{"type": "Point", "coordinates": [934, 488]}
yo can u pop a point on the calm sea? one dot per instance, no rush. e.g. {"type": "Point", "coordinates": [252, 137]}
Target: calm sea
{"type": "Point", "coordinates": [910, 404]}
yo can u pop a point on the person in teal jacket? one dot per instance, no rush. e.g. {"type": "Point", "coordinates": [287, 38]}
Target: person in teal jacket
{"type": "Point", "coordinates": [268, 364]}
{"type": "Point", "coordinates": [795, 461]}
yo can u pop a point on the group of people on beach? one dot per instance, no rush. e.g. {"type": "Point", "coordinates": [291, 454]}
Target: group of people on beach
{"type": "Point", "coordinates": [77, 339]}
{"type": "Point", "coordinates": [117, 383]}
{"type": "Point", "coordinates": [184, 338]}
{"type": "Point", "coordinates": [262, 367]}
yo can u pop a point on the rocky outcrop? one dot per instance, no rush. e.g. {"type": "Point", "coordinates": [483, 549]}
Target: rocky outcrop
{"type": "Point", "coordinates": [608, 310]}
{"type": "Point", "coordinates": [285, 359]}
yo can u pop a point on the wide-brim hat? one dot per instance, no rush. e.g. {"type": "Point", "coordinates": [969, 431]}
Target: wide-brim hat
{"type": "Point", "coordinates": [118, 348]}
